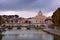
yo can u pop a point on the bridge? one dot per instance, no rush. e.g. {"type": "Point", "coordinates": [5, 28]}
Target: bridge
{"type": "Point", "coordinates": [19, 26]}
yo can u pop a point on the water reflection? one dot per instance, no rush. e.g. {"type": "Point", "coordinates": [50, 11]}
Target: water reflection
{"type": "Point", "coordinates": [26, 35]}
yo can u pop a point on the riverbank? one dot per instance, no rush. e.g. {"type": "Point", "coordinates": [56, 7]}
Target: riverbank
{"type": "Point", "coordinates": [1, 35]}
{"type": "Point", "coordinates": [52, 31]}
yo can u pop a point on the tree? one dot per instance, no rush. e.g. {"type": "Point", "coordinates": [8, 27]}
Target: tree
{"type": "Point", "coordinates": [16, 21]}
{"type": "Point", "coordinates": [1, 20]}
{"type": "Point", "coordinates": [28, 22]}
{"type": "Point", "coordinates": [56, 18]}
{"type": "Point", "coordinates": [16, 16]}
{"type": "Point", "coordinates": [7, 20]}
{"type": "Point", "coordinates": [1, 36]}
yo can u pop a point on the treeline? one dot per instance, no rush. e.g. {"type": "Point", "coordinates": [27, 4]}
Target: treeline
{"type": "Point", "coordinates": [56, 18]}
{"type": "Point", "coordinates": [3, 17]}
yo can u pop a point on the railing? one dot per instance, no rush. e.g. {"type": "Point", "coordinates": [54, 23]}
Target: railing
{"type": "Point", "coordinates": [18, 24]}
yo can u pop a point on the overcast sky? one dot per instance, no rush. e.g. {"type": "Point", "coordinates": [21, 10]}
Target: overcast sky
{"type": "Point", "coordinates": [28, 8]}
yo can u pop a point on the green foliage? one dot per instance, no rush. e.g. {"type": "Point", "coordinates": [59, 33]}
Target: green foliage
{"type": "Point", "coordinates": [1, 20]}
{"type": "Point", "coordinates": [56, 17]}
{"type": "Point", "coordinates": [16, 16]}
{"type": "Point", "coordinates": [1, 36]}
{"type": "Point", "coordinates": [56, 37]}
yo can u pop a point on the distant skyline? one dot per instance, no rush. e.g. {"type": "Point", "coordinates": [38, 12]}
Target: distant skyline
{"type": "Point", "coordinates": [28, 8]}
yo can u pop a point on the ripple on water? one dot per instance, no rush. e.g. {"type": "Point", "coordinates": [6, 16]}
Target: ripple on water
{"type": "Point", "coordinates": [26, 35]}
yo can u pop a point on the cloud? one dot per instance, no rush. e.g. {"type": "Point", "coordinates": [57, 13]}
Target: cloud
{"type": "Point", "coordinates": [24, 4]}
{"type": "Point", "coordinates": [49, 14]}
{"type": "Point", "coordinates": [47, 6]}
{"type": "Point", "coordinates": [15, 4]}
{"type": "Point", "coordinates": [25, 14]}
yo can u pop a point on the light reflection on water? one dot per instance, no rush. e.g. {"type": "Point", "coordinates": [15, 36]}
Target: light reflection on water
{"type": "Point", "coordinates": [26, 35]}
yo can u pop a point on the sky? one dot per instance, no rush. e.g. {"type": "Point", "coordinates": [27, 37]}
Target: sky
{"type": "Point", "coordinates": [28, 8]}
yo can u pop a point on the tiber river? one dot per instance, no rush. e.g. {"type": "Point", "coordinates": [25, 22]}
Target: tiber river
{"type": "Point", "coordinates": [26, 35]}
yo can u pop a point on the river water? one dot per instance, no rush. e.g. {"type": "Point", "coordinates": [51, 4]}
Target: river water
{"type": "Point", "coordinates": [26, 35]}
